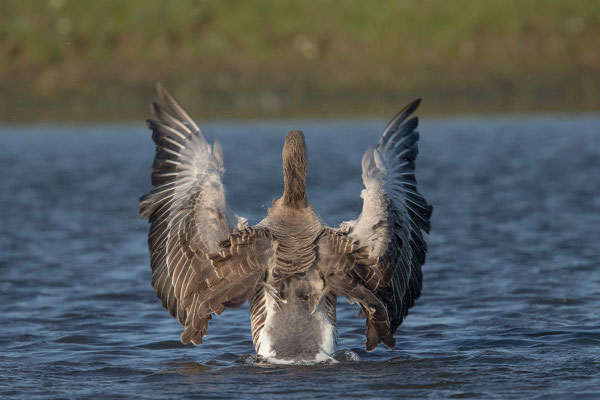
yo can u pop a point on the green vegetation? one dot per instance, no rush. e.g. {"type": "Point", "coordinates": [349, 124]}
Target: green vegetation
{"type": "Point", "coordinates": [82, 60]}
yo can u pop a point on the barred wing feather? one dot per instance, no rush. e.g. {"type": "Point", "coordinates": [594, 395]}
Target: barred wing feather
{"type": "Point", "coordinates": [190, 220]}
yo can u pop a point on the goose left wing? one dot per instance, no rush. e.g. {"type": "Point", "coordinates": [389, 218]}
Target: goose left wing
{"type": "Point", "coordinates": [376, 259]}
{"type": "Point", "coordinates": [203, 256]}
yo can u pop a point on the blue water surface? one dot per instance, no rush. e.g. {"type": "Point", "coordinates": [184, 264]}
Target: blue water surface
{"type": "Point", "coordinates": [511, 297]}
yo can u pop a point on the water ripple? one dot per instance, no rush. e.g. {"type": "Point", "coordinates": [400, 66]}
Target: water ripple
{"type": "Point", "coordinates": [510, 300]}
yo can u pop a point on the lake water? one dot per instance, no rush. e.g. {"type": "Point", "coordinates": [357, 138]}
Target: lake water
{"type": "Point", "coordinates": [511, 297]}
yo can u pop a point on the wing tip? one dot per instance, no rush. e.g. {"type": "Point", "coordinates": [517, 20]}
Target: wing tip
{"type": "Point", "coordinates": [160, 89]}
{"type": "Point", "coordinates": [400, 117]}
{"type": "Point", "coordinates": [413, 105]}
{"type": "Point", "coordinates": [409, 109]}
{"type": "Point", "coordinates": [174, 105]}
{"type": "Point", "coordinates": [165, 95]}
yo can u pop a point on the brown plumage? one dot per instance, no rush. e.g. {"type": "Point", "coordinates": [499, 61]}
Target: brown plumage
{"type": "Point", "coordinates": [290, 266]}
{"type": "Point", "coordinates": [294, 169]}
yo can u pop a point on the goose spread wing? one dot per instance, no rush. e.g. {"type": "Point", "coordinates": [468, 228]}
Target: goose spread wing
{"type": "Point", "coordinates": [376, 259]}
{"type": "Point", "coordinates": [191, 227]}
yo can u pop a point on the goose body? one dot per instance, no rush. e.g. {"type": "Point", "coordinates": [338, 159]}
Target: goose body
{"type": "Point", "coordinates": [290, 267]}
{"type": "Point", "coordinates": [298, 312]}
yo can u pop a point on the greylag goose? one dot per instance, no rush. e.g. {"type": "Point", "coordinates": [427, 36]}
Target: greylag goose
{"type": "Point", "coordinates": [290, 267]}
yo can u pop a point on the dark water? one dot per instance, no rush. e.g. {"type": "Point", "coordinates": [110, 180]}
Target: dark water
{"type": "Point", "coordinates": [511, 299]}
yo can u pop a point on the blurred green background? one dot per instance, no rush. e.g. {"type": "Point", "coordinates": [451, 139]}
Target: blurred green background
{"type": "Point", "coordinates": [76, 60]}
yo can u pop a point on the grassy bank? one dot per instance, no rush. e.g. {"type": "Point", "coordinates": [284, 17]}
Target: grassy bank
{"type": "Point", "coordinates": [80, 60]}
